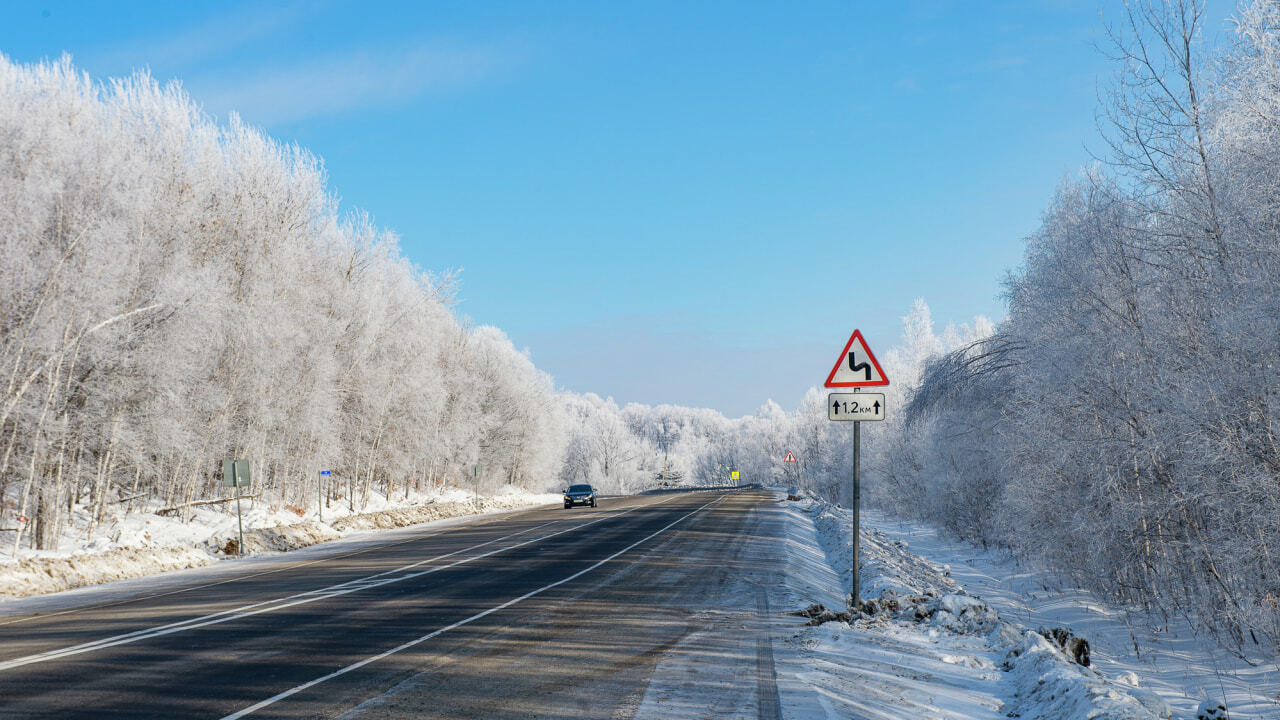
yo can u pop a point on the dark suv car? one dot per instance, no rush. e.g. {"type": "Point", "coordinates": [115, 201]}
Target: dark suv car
{"type": "Point", "coordinates": [579, 495]}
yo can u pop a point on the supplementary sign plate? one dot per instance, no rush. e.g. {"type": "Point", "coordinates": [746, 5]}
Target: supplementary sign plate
{"type": "Point", "coordinates": [855, 406]}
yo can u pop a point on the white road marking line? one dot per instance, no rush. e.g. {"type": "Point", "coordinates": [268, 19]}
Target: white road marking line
{"type": "Point", "coordinates": [357, 665]}
{"type": "Point", "coordinates": [225, 615]}
{"type": "Point", "coordinates": [238, 578]}
{"type": "Point", "coordinates": [288, 601]}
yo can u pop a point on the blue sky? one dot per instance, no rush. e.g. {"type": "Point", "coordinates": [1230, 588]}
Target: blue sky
{"type": "Point", "coordinates": [663, 201]}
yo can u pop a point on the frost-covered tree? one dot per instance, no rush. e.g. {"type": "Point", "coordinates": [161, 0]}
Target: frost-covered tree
{"type": "Point", "coordinates": [179, 291]}
{"type": "Point", "coordinates": [1119, 424]}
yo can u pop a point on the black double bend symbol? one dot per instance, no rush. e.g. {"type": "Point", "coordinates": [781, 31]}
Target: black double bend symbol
{"type": "Point", "coordinates": [864, 367]}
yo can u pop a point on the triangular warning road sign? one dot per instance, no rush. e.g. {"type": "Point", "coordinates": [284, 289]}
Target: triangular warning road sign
{"type": "Point", "coordinates": [856, 366]}
{"type": "Point", "coordinates": [789, 457]}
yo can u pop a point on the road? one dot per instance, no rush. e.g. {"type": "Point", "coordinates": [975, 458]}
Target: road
{"type": "Point", "coordinates": [547, 613]}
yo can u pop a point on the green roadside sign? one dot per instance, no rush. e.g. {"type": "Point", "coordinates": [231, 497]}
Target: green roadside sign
{"type": "Point", "coordinates": [235, 473]}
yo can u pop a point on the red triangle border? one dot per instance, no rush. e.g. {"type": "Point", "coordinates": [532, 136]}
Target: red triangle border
{"type": "Point", "coordinates": [857, 335]}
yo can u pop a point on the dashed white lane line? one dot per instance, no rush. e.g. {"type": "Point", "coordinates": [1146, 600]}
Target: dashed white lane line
{"type": "Point", "coordinates": [309, 596]}
{"type": "Point", "coordinates": [405, 646]}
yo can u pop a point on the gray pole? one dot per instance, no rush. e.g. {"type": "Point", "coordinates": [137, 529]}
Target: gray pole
{"type": "Point", "coordinates": [320, 495]}
{"type": "Point", "coordinates": [235, 477]}
{"type": "Point", "coordinates": [857, 441]}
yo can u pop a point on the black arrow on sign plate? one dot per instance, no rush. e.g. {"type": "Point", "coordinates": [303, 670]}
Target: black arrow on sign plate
{"type": "Point", "coordinates": [877, 407]}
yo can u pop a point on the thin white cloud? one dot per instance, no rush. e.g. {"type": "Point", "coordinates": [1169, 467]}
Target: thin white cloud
{"type": "Point", "coordinates": [330, 85]}
{"type": "Point", "coordinates": [220, 64]}
{"type": "Point", "coordinates": [227, 31]}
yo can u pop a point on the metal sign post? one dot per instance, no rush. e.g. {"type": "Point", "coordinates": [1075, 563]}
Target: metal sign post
{"type": "Point", "coordinates": [235, 473]}
{"type": "Point", "coordinates": [239, 523]}
{"type": "Point", "coordinates": [855, 600]}
{"type": "Point", "coordinates": [475, 476]}
{"type": "Point", "coordinates": [320, 494]}
{"type": "Point", "coordinates": [856, 367]}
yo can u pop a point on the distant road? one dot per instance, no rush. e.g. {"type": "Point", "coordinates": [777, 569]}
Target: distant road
{"type": "Point", "coordinates": [548, 613]}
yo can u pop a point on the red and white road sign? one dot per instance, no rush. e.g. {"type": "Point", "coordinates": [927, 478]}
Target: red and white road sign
{"type": "Point", "coordinates": [789, 457]}
{"type": "Point", "coordinates": [856, 366]}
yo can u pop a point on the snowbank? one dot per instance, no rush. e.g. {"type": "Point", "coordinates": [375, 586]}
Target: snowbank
{"type": "Point", "coordinates": [144, 544]}
{"type": "Point", "coordinates": [417, 514]}
{"type": "Point", "coordinates": [34, 576]}
{"type": "Point", "coordinates": [1047, 685]}
{"type": "Point", "coordinates": [907, 595]}
{"type": "Point", "coordinates": [1176, 660]}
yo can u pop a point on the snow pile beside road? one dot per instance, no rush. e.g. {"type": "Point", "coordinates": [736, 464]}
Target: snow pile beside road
{"type": "Point", "coordinates": [281, 538]}
{"type": "Point", "coordinates": [1176, 657]}
{"type": "Point", "coordinates": [35, 576]}
{"type": "Point", "coordinates": [413, 515]}
{"type": "Point", "coordinates": [1039, 679]}
{"type": "Point", "coordinates": [143, 544]}
{"type": "Point", "coordinates": [1046, 685]}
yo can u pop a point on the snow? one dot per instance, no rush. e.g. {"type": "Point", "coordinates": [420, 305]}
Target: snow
{"type": "Point", "coordinates": [951, 636]}
{"type": "Point", "coordinates": [139, 544]}
{"type": "Point", "coordinates": [1176, 663]}
{"type": "Point", "coordinates": [878, 669]}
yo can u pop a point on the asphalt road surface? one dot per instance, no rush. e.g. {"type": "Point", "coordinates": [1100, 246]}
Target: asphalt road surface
{"type": "Point", "coordinates": [548, 613]}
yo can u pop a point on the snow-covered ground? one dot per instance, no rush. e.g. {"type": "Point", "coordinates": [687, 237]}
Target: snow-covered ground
{"type": "Point", "coordinates": [1178, 662]}
{"type": "Point", "coordinates": [952, 636]}
{"type": "Point", "coordinates": [139, 544]}
{"type": "Point", "coordinates": [880, 669]}
{"type": "Point", "coordinates": [962, 641]}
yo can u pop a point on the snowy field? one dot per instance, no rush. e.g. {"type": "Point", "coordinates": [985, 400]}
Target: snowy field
{"type": "Point", "coordinates": [962, 641]}
{"type": "Point", "coordinates": [140, 544]}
